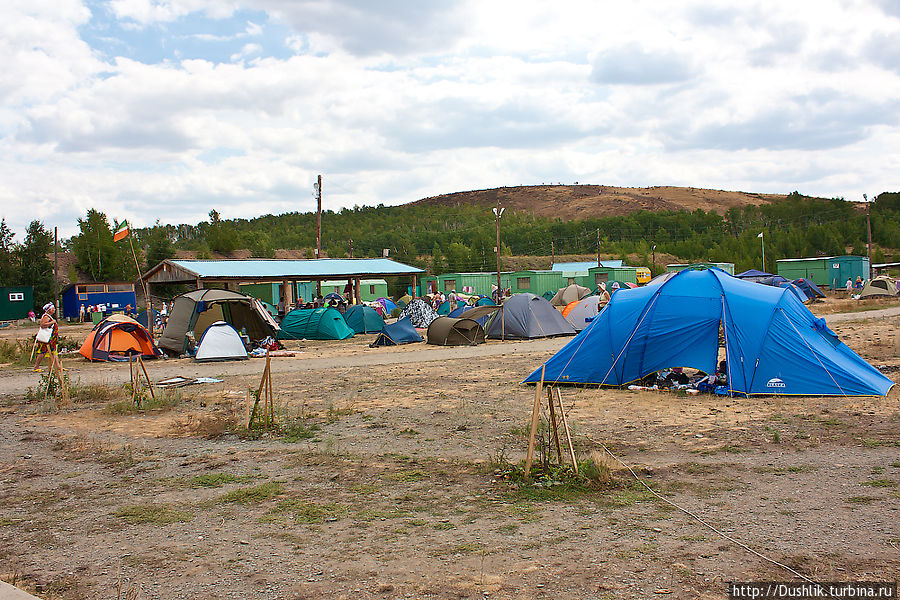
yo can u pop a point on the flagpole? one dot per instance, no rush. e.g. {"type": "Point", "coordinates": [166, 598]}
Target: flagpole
{"type": "Point", "coordinates": [143, 286]}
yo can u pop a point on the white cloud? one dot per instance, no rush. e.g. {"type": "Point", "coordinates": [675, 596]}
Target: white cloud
{"type": "Point", "coordinates": [396, 101]}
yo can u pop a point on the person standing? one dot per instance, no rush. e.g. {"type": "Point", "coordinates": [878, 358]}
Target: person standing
{"type": "Point", "coordinates": [50, 346]}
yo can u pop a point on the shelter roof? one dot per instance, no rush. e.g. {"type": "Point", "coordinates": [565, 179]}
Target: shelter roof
{"type": "Point", "coordinates": [276, 270]}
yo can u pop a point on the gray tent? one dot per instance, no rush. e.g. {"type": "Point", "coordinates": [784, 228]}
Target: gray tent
{"type": "Point", "coordinates": [526, 316]}
{"type": "Point", "coordinates": [880, 286]}
{"type": "Point", "coordinates": [446, 331]}
{"type": "Point", "coordinates": [569, 294]}
{"type": "Point", "coordinates": [195, 311]}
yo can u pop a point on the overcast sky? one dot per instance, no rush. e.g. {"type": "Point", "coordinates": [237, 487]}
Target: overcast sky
{"type": "Point", "coordinates": [166, 109]}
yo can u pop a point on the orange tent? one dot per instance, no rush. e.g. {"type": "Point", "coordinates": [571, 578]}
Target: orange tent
{"type": "Point", "coordinates": [116, 338]}
{"type": "Point", "coordinates": [569, 307]}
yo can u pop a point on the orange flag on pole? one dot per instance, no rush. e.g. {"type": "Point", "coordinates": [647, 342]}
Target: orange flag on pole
{"type": "Point", "coordinates": [121, 231]}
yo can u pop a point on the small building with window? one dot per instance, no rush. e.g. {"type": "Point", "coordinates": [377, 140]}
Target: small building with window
{"type": "Point", "coordinates": [15, 302]}
{"type": "Point", "coordinates": [113, 297]}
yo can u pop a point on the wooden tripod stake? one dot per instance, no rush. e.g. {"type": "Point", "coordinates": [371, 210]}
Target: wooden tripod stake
{"type": "Point", "coordinates": [266, 395]}
{"type": "Point", "coordinates": [136, 381]}
{"type": "Point", "coordinates": [557, 416]}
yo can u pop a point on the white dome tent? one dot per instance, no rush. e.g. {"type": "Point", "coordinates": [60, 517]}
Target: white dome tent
{"type": "Point", "coordinates": [220, 341]}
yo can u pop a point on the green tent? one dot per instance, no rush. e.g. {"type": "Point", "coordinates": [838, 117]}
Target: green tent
{"type": "Point", "coordinates": [314, 324]}
{"type": "Point", "coordinates": [363, 319]}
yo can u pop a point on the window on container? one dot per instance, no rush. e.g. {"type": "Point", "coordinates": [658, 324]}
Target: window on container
{"type": "Point", "coordinates": [91, 289]}
{"type": "Point", "coordinates": [119, 287]}
{"type": "Point", "coordinates": [601, 277]}
{"type": "Point", "coordinates": [371, 289]}
{"type": "Point", "coordinates": [523, 283]}
{"type": "Point", "coordinates": [449, 285]}
{"type": "Point", "coordinates": [17, 297]}
{"type": "Point", "coordinates": [571, 280]}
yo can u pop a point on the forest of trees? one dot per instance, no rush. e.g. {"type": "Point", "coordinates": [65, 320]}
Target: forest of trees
{"type": "Point", "coordinates": [461, 238]}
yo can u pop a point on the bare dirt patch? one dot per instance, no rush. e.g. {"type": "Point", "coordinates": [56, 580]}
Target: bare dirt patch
{"type": "Point", "coordinates": [384, 484]}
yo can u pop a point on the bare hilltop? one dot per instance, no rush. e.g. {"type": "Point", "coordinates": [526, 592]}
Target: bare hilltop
{"type": "Point", "coordinates": [572, 202]}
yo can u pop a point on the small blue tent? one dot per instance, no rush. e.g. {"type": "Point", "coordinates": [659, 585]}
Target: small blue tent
{"type": "Point", "coordinates": [486, 301]}
{"type": "Point", "coordinates": [401, 332]}
{"type": "Point", "coordinates": [811, 289]}
{"type": "Point", "coordinates": [456, 312]}
{"type": "Point", "coordinates": [773, 344]}
{"type": "Point", "coordinates": [363, 319]}
{"type": "Point", "coordinates": [753, 275]}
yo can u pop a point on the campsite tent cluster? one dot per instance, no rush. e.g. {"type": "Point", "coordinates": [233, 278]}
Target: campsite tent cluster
{"type": "Point", "coordinates": [772, 343]}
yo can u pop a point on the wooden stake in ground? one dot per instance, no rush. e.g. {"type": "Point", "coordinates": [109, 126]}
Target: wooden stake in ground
{"type": "Point", "coordinates": [566, 430]}
{"type": "Point", "coordinates": [535, 417]}
{"type": "Point", "coordinates": [266, 395]}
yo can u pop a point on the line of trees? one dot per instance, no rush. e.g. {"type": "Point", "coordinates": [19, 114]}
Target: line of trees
{"type": "Point", "coordinates": [27, 263]}
{"type": "Point", "coordinates": [462, 237]}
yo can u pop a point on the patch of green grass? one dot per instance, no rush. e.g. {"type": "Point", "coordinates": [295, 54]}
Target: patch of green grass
{"type": "Point", "coordinates": [883, 483]}
{"type": "Point", "coordinates": [831, 422]}
{"type": "Point", "coordinates": [164, 400]}
{"type": "Point", "coordinates": [409, 431]}
{"type": "Point", "coordinates": [444, 526]}
{"type": "Point", "coordinates": [877, 470]}
{"type": "Point", "coordinates": [216, 480]}
{"type": "Point", "coordinates": [253, 495]}
{"type": "Point", "coordinates": [470, 548]}
{"type": "Point", "coordinates": [408, 476]}
{"type": "Point", "coordinates": [508, 529]}
{"type": "Point", "coordinates": [157, 514]}
{"type": "Point", "coordinates": [304, 511]}
{"type": "Point", "coordinates": [862, 499]}
{"type": "Point", "coordinates": [896, 464]}
{"type": "Point", "coordinates": [298, 430]}
{"type": "Point", "coordinates": [364, 489]}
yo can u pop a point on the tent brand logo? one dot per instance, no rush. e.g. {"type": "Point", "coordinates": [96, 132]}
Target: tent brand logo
{"type": "Point", "coordinates": [775, 383]}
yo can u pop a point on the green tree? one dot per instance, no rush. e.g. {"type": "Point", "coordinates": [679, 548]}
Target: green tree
{"type": "Point", "coordinates": [36, 268]}
{"type": "Point", "coordinates": [220, 236]}
{"type": "Point", "coordinates": [95, 250]}
{"type": "Point", "coordinates": [9, 267]}
{"type": "Point", "coordinates": [159, 247]}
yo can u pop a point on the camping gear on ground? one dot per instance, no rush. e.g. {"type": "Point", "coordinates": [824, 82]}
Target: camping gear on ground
{"type": "Point", "coordinates": [221, 341]}
{"type": "Point", "coordinates": [445, 331]}
{"type": "Point", "coordinates": [117, 338]}
{"type": "Point", "coordinates": [773, 344]}
{"type": "Point", "coordinates": [581, 312]}
{"type": "Point", "coordinates": [195, 311]}
{"type": "Point", "coordinates": [395, 334]}
{"type": "Point", "coordinates": [419, 313]}
{"type": "Point", "coordinates": [526, 316]}
{"type": "Point", "coordinates": [363, 319]}
{"type": "Point", "coordinates": [323, 323]}
{"type": "Point", "coordinates": [880, 286]}
{"type": "Point", "coordinates": [811, 289]}
{"type": "Point", "coordinates": [568, 294]}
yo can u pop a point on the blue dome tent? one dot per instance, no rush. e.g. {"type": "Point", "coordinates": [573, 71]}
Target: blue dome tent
{"type": "Point", "coordinates": [363, 319]}
{"type": "Point", "coordinates": [773, 344]}
{"type": "Point", "coordinates": [395, 334]}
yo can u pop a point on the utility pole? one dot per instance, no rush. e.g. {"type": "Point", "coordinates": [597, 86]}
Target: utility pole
{"type": "Point", "coordinates": [319, 217]}
{"type": "Point", "coordinates": [598, 246]}
{"type": "Point", "coordinates": [869, 232]}
{"type": "Point", "coordinates": [653, 270]}
{"type": "Point", "coordinates": [552, 254]}
{"type": "Point", "coordinates": [56, 269]}
{"type": "Point", "coordinates": [498, 211]}
{"type": "Point", "coordinates": [351, 247]}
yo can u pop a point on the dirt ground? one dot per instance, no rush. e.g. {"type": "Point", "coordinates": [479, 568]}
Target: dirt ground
{"type": "Point", "coordinates": [384, 482]}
